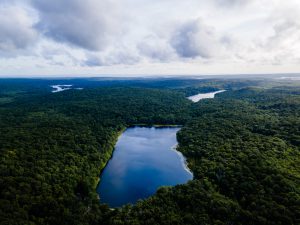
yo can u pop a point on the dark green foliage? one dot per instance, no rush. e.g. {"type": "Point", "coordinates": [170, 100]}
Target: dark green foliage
{"type": "Point", "coordinates": [246, 166]}
{"type": "Point", "coordinates": [54, 146]}
{"type": "Point", "coordinates": [194, 203]}
{"type": "Point", "coordinates": [242, 146]}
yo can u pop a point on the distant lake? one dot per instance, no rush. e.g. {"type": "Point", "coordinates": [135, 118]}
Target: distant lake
{"type": "Point", "coordinates": [144, 159]}
{"type": "Point", "coordinates": [198, 97]}
{"type": "Point", "coordinates": [63, 87]}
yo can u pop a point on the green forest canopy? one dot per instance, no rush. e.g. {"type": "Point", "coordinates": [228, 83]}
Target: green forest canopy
{"type": "Point", "coordinates": [242, 146]}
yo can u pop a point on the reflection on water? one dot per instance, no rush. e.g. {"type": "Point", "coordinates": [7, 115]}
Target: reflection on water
{"type": "Point", "coordinates": [63, 87]}
{"type": "Point", "coordinates": [198, 97]}
{"type": "Point", "coordinates": [143, 160]}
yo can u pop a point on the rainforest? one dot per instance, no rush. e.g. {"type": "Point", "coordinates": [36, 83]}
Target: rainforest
{"type": "Point", "coordinates": [242, 146]}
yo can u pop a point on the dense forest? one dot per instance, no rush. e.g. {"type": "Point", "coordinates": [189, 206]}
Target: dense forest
{"type": "Point", "coordinates": [242, 146]}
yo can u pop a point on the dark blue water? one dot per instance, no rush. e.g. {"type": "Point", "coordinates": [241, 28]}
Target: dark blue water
{"type": "Point", "coordinates": [143, 160]}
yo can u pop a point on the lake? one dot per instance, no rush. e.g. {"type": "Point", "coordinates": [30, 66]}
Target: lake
{"type": "Point", "coordinates": [198, 97]}
{"type": "Point", "coordinates": [63, 87]}
{"type": "Point", "coordinates": [59, 88]}
{"type": "Point", "coordinates": [144, 159]}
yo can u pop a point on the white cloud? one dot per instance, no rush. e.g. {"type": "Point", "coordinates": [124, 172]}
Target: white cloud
{"type": "Point", "coordinates": [16, 29]}
{"type": "Point", "coordinates": [130, 36]}
{"type": "Point", "coordinates": [156, 48]}
{"type": "Point", "coordinates": [89, 24]}
{"type": "Point", "coordinates": [196, 39]}
{"type": "Point", "coordinates": [231, 3]}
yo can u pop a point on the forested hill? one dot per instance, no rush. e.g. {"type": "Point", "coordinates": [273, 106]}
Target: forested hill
{"type": "Point", "coordinates": [53, 148]}
{"type": "Point", "coordinates": [242, 146]}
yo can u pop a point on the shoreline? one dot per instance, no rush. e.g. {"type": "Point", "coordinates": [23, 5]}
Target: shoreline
{"type": "Point", "coordinates": [183, 159]}
{"type": "Point", "coordinates": [111, 152]}
{"type": "Point", "coordinates": [117, 138]}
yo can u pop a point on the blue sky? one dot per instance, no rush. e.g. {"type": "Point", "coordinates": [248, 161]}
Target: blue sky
{"type": "Point", "coordinates": [142, 37]}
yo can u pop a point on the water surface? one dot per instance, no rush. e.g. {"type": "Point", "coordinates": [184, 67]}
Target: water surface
{"type": "Point", "coordinates": [59, 88]}
{"type": "Point", "coordinates": [63, 87]}
{"type": "Point", "coordinates": [144, 159]}
{"type": "Point", "coordinates": [198, 97]}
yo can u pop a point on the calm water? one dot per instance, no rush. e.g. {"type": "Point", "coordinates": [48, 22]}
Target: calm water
{"type": "Point", "coordinates": [198, 97]}
{"type": "Point", "coordinates": [63, 87]}
{"type": "Point", "coordinates": [143, 160]}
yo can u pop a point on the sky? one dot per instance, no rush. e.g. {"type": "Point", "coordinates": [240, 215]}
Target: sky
{"type": "Point", "coordinates": [143, 37]}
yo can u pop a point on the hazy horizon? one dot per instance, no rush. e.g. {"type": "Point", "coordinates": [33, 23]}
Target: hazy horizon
{"type": "Point", "coordinates": [158, 76]}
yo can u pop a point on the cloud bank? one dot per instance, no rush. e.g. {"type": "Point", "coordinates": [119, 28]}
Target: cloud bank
{"type": "Point", "coordinates": [143, 37]}
{"type": "Point", "coordinates": [16, 29]}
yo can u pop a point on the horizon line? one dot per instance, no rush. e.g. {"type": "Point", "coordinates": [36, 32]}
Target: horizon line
{"type": "Point", "coordinates": [142, 76]}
